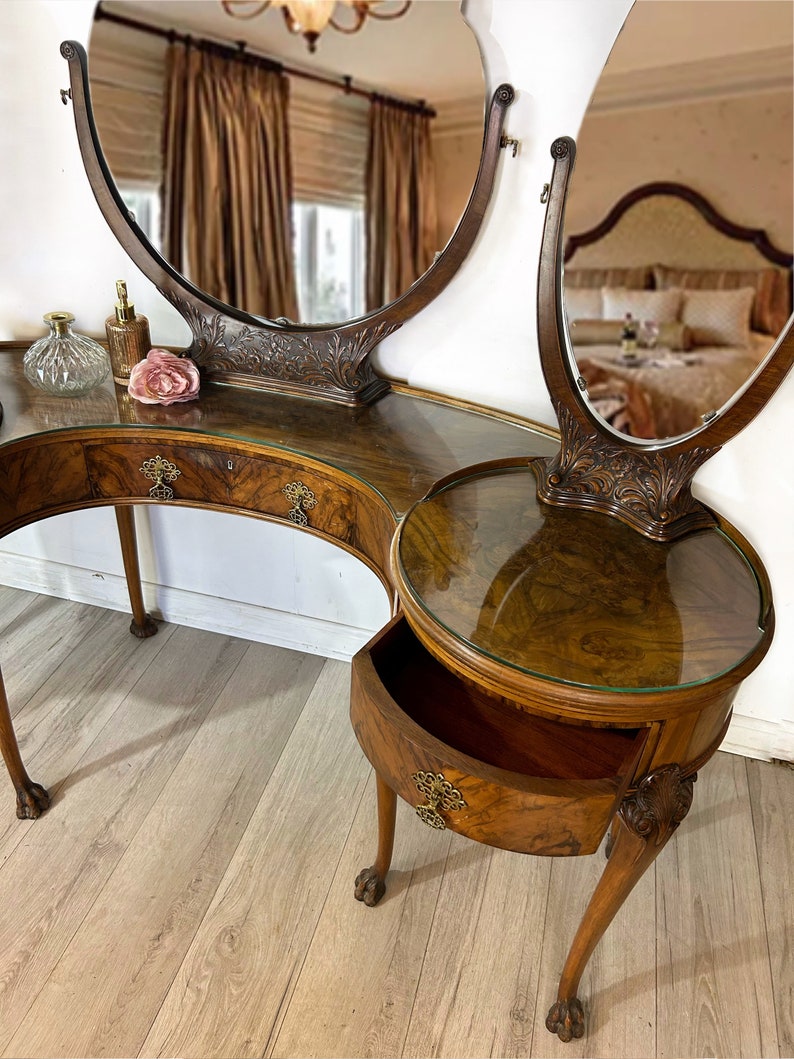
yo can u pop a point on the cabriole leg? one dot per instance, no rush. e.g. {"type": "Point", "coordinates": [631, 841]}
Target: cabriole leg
{"type": "Point", "coordinates": [645, 822]}
{"type": "Point", "coordinates": [32, 799]}
{"type": "Point", "coordinates": [371, 882]}
{"type": "Point", "coordinates": [142, 624]}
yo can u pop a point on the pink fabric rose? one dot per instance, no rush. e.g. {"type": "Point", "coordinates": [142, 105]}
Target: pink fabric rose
{"type": "Point", "coordinates": [164, 378]}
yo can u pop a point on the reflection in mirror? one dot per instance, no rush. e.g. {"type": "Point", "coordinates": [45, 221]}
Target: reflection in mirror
{"type": "Point", "coordinates": [300, 225]}
{"type": "Point", "coordinates": [672, 292]}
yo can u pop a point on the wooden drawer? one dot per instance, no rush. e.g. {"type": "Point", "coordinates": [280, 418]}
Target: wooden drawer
{"type": "Point", "coordinates": [529, 784]}
{"type": "Point", "coordinates": [279, 488]}
{"type": "Point", "coordinates": [40, 479]}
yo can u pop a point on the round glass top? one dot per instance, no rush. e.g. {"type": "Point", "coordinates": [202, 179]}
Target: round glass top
{"type": "Point", "coordinates": [576, 596]}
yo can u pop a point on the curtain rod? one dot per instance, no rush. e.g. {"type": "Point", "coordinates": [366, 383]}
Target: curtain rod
{"type": "Point", "coordinates": [239, 51]}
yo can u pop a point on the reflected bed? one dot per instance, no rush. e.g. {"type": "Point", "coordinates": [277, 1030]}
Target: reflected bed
{"type": "Point", "coordinates": [708, 297]}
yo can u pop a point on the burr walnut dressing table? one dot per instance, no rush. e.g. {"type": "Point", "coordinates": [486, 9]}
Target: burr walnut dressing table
{"type": "Point", "coordinates": [570, 625]}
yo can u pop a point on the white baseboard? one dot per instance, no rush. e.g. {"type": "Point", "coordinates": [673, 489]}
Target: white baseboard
{"type": "Point", "coordinates": [181, 607]}
{"type": "Point", "coordinates": [756, 737]}
{"type": "Point", "coordinates": [747, 736]}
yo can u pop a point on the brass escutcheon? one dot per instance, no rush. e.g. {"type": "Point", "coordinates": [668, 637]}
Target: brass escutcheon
{"type": "Point", "coordinates": [439, 794]}
{"type": "Point", "coordinates": [160, 471]}
{"type": "Point", "coordinates": [302, 500]}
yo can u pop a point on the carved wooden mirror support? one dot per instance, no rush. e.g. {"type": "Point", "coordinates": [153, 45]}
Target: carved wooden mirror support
{"type": "Point", "coordinates": [330, 362]}
{"type": "Point", "coordinates": [645, 484]}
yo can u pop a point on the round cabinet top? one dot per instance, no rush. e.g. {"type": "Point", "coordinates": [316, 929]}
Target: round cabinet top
{"type": "Point", "coordinates": [572, 596]}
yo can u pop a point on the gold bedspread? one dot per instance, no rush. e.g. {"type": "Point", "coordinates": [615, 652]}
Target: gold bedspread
{"type": "Point", "coordinates": [682, 387]}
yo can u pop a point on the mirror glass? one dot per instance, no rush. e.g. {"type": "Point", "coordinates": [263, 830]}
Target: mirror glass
{"type": "Point", "coordinates": [667, 316]}
{"type": "Point", "coordinates": [427, 54]}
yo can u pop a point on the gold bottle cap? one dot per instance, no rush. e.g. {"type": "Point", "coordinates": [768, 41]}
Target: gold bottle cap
{"type": "Point", "coordinates": [125, 310]}
{"type": "Point", "coordinates": [60, 320]}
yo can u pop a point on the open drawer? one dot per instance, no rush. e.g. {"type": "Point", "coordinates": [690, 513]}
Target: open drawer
{"type": "Point", "coordinates": [479, 766]}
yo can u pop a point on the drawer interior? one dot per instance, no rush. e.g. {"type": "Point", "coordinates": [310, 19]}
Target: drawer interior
{"type": "Point", "coordinates": [490, 730]}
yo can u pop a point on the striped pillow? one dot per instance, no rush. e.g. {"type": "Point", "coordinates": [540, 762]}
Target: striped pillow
{"type": "Point", "coordinates": [771, 304]}
{"type": "Point", "coordinates": [637, 278]}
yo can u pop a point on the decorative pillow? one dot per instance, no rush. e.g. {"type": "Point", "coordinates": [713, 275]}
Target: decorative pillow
{"type": "Point", "coordinates": [584, 304]}
{"type": "Point", "coordinates": [640, 277]}
{"type": "Point", "coordinates": [771, 286]}
{"type": "Point", "coordinates": [674, 335]}
{"type": "Point", "coordinates": [662, 306]}
{"type": "Point", "coordinates": [718, 317]}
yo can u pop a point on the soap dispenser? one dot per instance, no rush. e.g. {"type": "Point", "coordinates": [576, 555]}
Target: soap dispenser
{"type": "Point", "coordinates": [128, 336]}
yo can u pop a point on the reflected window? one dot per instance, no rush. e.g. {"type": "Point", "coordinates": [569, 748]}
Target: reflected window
{"type": "Point", "coordinates": [144, 205]}
{"type": "Point", "coordinates": [329, 256]}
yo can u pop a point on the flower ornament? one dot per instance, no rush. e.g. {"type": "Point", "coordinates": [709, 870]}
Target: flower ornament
{"type": "Point", "coordinates": [164, 378]}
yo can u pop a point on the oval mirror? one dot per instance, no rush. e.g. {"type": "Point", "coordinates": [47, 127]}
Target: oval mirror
{"type": "Point", "coordinates": [171, 174]}
{"type": "Point", "coordinates": [678, 225]}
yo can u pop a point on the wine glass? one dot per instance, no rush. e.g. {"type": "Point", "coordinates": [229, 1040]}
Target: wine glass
{"type": "Point", "coordinates": [649, 333]}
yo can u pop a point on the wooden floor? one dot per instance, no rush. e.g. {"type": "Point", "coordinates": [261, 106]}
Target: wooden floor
{"type": "Point", "coordinates": [189, 893]}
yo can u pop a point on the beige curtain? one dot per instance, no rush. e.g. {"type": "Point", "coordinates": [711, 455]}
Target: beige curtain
{"type": "Point", "coordinates": [226, 181]}
{"type": "Point", "coordinates": [401, 202]}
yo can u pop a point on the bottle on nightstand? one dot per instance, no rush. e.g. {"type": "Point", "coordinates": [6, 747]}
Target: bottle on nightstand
{"type": "Point", "coordinates": [628, 337]}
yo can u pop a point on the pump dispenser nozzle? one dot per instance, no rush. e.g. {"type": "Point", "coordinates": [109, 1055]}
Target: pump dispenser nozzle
{"type": "Point", "coordinates": [125, 310]}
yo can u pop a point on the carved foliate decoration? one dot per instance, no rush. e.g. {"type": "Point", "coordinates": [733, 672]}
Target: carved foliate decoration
{"type": "Point", "coordinates": [331, 363]}
{"type": "Point", "coordinates": [648, 489]}
{"type": "Point", "coordinates": [659, 804]}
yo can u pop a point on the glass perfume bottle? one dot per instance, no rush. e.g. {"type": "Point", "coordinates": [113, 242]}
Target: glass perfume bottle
{"type": "Point", "coordinates": [65, 363]}
{"type": "Point", "coordinates": [128, 336]}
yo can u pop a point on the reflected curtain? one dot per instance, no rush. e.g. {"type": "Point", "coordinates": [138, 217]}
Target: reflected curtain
{"type": "Point", "coordinates": [227, 179]}
{"type": "Point", "coordinates": [401, 219]}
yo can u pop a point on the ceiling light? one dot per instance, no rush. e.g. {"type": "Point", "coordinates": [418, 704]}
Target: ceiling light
{"type": "Point", "coordinates": [311, 17]}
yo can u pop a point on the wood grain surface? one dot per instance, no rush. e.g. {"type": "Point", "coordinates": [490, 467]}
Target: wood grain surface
{"type": "Point", "coordinates": [124, 879]}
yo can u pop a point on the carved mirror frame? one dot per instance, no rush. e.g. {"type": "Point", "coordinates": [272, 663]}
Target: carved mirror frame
{"type": "Point", "coordinates": [646, 484]}
{"type": "Point", "coordinates": [228, 344]}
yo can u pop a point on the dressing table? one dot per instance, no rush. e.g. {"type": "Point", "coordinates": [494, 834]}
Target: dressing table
{"type": "Point", "coordinates": [572, 636]}
{"type": "Point", "coordinates": [570, 624]}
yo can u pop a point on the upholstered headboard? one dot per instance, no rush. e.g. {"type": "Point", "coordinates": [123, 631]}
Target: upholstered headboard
{"type": "Point", "coordinates": [664, 234]}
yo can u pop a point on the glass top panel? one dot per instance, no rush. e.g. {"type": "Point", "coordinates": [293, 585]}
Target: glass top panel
{"type": "Point", "coordinates": [400, 445]}
{"type": "Point", "coordinates": [577, 596]}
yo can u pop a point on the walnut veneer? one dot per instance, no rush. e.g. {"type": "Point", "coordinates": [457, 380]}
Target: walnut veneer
{"type": "Point", "coordinates": [555, 675]}
{"type": "Point", "coordinates": [549, 676]}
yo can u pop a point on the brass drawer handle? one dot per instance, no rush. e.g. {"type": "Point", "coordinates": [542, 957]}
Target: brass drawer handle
{"type": "Point", "coordinates": [439, 794]}
{"type": "Point", "coordinates": [302, 500]}
{"type": "Point", "coordinates": [160, 471]}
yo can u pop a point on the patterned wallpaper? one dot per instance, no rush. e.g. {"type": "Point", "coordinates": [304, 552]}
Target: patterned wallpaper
{"type": "Point", "coordinates": [735, 151]}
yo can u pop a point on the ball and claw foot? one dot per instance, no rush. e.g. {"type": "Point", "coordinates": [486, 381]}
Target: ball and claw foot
{"type": "Point", "coordinates": [566, 1019]}
{"type": "Point", "coordinates": [32, 801]}
{"type": "Point", "coordinates": [369, 887]}
{"type": "Point", "coordinates": [143, 632]}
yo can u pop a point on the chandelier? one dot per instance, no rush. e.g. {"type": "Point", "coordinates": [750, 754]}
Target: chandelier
{"type": "Point", "coordinates": [310, 17]}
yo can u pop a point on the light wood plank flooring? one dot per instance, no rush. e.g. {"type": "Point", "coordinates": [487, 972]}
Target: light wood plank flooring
{"type": "Point", "coordinates": [189, 893]}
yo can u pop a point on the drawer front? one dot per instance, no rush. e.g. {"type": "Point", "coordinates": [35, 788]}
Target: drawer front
{"type": "Point", "coordinates": [157, 472]}
{"type": "Point", "coordinates": [277, 487]}
{"type": "Point", "coordinates": [547, 815]}
{"type": "Point", "coordinates": [41, 479]}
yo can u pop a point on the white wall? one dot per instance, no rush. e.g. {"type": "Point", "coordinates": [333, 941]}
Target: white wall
{"type": "Point", "coordinates": [478, 340]}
